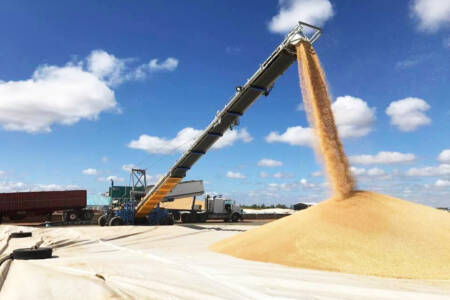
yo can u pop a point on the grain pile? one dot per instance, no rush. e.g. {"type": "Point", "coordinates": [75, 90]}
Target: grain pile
{"type": "Point", "coordinates": [367, 233]}
{"type": "Point", "coordinates": [354, 231]}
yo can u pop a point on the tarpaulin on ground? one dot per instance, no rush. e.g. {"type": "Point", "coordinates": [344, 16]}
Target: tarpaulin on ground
{"type": "Point", "coordinates": [173, 262]}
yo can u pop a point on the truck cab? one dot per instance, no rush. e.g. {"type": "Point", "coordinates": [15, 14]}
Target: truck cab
{"type": "Point", "coordinates": [224, 207]}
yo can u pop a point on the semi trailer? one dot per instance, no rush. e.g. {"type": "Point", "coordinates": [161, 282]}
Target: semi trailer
{"type": "Point", "coordinates": [261, 83]}
{"type": "Point", "coordinates": [20, 205]}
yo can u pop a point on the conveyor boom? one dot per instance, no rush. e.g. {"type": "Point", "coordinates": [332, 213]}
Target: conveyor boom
{"type": "Point", "coordinates": [260, 83]}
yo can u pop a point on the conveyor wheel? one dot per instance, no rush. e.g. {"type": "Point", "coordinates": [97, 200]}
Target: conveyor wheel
{"type": "Point", "coordinates": [116, 221]}
{"type": "Point", "coordinates": [102, 220]}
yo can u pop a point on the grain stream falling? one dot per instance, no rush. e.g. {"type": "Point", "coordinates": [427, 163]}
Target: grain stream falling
{"type": "Point", "coordinates": [318, 107]}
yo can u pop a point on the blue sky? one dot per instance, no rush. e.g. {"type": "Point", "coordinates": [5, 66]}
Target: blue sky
{"type": "Point", "coordinates": [87, 87]}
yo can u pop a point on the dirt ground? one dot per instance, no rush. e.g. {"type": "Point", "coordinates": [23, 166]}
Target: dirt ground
{"type": "Point", "coordinates": [173, 262]}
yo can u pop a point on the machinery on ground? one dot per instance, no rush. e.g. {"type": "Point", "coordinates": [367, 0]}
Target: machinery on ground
{"type": "Point", "coordinates": [261, 83]}
{"type": "Point", "coordinates": [124, 199]}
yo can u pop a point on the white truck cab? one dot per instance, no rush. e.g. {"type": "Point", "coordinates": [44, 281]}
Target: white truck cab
{"type": "Point", "coordinates": [218, 205]}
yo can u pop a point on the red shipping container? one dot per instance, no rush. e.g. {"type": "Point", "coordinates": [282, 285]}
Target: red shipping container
{"type": "Point", "coordinates": [12, 204]}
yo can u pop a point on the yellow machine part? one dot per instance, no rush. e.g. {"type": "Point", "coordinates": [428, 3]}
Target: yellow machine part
{"type": "Point", "coordinates": [156, 197]}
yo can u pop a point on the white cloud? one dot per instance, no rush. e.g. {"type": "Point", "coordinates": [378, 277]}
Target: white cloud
{"type": "Point", "coordinates": [357, 171]}
{"type": "Point", "coordinates": [128, 167]}
{"type": "Point", "coordinates": [235, 175]}
{"type": "Point", "coordinates": [353, 117]}
{"type": "Point", "coordinates": [10, 187]}
{"type": "Point", "coordinates": [317, 174]}
{"type": "Point", "coordinates": [53, 95]}
{"type": "Point", "coordinates": [2, 173]}
{"type": "Point", "coordinates": [156, 145]}
{"type": "Point", "coordinates": [267, 162]}
{"type": "Point", "coordinates": [306, 183]}
{"type": "Point", "coordinates": [152, 179]}
{"type": "Point", "coordinates": [432, 14]}
{"type": "Point", "coordinates": [113, 177]}
{"type": "Point", "coordinates": [375, 172]}
{"type": "Point", "coordinates": [65, 95]}
{"type": "Point", "coordinates": [231, 136]}
{"type": "Point", "coordinates": [263, 174]}
{"type": "Point", "coordinates": [300, 107]}
{"type": "Point", "coordinates": [444, 156]}
{"type": "Point", "coordinates": [383, 157]}
{"type": "Point", "coordinates": [294, 136]}
{"type": "Point", "coordinates": [282, 175]}
{"type": "Point", "coordinates": [232, 50]}
{"type": "Point", "coordinates": [106, 67]}
{"type": "Point", "coordinates": [184, 139]}
{"type": "Point", "coordinates": [314, 12]}
{"type": "Point", "coordinates": [408, 114]}
{"type": "Point", "coordinates": [114, 70]}
{"type": "Point", "coordinates": [413, 60]}
{"type": "Point", "coordinates": [407, 63]}
{"type": "Point", "coordinates": [90, 171]}
{"type": "Point", "coordinates": [442, 183]}
{"type": "Point", "coordinates": [442, 169]}
{"type": "Point", "coordinates": [169, 65]}
{"type": "Point", "coordinates": [277, 187]}
{"type": "Point", "coordinates": [105, 159]}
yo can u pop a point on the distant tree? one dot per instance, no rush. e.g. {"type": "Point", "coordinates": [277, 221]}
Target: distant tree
{"type": "Point", "coordinates": [281, 206]}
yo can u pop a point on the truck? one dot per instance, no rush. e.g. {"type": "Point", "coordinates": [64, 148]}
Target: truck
{"type": "Point", "coordinates": [216, 208]}
{"type": "Point", "coordinates": [260, 83]}
{"type": "Point", "coordinates": [19, 205]}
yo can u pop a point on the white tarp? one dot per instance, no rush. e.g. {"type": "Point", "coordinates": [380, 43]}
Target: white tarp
{"type": "Point", "coordinates": [173, 262]}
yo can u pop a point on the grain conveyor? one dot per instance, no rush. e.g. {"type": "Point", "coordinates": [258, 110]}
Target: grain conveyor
{"type": "Point", "coordinates": [260, 83]}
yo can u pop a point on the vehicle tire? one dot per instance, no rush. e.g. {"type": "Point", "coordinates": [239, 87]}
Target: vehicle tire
{"type": "Point", "coordinates": [185, 218]}
{"type": "Point", "coordinates": [31, 253]}
{"type": "Point", "coordinates": [73, 216]}
{"type": "Point", "coordinates": [176, 216]}
{"type": "Point", "coordinates": [235, 217]}
{"type": "Point", "coordinates": [70, 216]}
{"type": "Point", "coordinates": [87, 215]}
{"type": "Point", "coordinates": [20, 234]}
{"type": "Point", "coordinates": [116, 221]}
{"type": "Point", "coordinates": [168, 220]}
{"type": "Point", "coordinates": [162, 221]}
{"type": "Point", "coordinates": [102, 220]}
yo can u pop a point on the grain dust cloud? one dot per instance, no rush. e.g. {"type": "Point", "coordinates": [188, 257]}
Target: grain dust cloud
{"type": "Point", "coordinates": [357, 232]}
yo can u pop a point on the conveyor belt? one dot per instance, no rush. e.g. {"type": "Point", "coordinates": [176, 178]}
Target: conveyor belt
{"type": "Point", "coordinates": [260, 83]}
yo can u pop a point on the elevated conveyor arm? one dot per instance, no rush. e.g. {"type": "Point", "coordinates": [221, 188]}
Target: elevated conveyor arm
{"type": "Point", "coordinates": [260, 83]}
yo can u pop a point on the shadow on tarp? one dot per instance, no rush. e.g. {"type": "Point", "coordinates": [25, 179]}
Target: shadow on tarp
{"type": "Point", "coordinates": [196, 227]}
